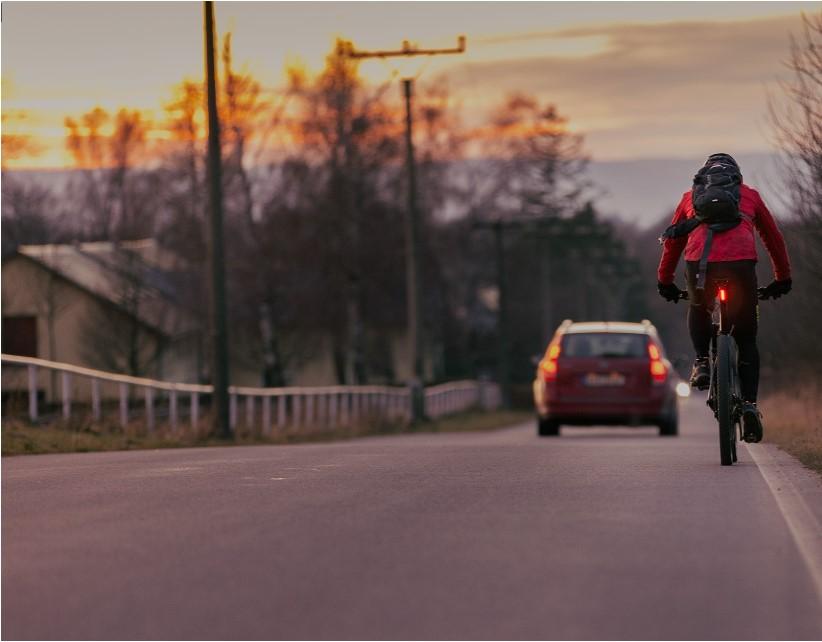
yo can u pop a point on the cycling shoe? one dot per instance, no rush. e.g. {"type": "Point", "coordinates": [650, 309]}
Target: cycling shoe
{"type": "Point", "coordinates": [751, 423]}
{"type": "Point", "coordinates": [701, 374]}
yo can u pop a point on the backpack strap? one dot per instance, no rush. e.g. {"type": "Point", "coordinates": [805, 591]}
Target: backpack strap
{"type": "Point", "coordinates": [683, 228]}
{"type": "Point", "coordinates": [703, 260]}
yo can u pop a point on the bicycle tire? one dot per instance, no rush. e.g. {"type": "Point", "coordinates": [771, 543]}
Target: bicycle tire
{"type": "Point", "coordinates": [724, 399]}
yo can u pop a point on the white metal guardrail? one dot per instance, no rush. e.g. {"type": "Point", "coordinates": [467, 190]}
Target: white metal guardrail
{"type": "Point", "coordinates": [270, 407]}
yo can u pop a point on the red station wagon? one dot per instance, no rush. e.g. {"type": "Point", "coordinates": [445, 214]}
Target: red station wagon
{"type": "Point", "coordinates": [605, 373]}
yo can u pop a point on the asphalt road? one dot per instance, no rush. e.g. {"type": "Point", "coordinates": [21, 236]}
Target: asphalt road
{"type": "Point", "coordinates": [602, 533]}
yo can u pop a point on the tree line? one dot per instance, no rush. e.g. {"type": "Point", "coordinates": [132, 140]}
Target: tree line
{"type": "Point", "coordinates": [315, 186]}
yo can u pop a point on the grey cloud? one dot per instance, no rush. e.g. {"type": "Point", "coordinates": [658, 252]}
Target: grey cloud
{"type": "Point", "coordinates": [669, 81]}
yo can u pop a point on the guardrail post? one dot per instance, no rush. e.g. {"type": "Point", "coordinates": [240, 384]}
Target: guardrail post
{"type": "Point", "coordinates": [172, 409]}
{"type": "Point", "coordinates": [333, 410]}
{"type": "Point", "coordinates": [296, 410]}
{"type": "Point", "coordinates": [281, 402]}
{"type": "Point", "coordinates": [345, 408]}
{"type": "Point", "coordinates": [232, 420]}
{"type": "Point", "coordinates": [95, 399]}
{"type": "Point", "coordinates": [32, 392]}
{"type": "Point", "coordinates": [123, 405]}
{"type": "Point", "coordinates": [309, 409]}
{"type": "Point", "coordinates": [149, 393]}
{"type": "Point", "coordinates": [249, 411]}
{"type": "Point", "coordinates": [355, 407]}
{"type": "Point", "coordinates": [66, 396]}
{"type": "Point", "coordinates": [195, 409]}
{"type": "Point", "coordinates": [265, 428]}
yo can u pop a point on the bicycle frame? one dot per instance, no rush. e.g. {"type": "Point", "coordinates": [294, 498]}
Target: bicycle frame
{"type": "Point", "coordinates": [724, 397]}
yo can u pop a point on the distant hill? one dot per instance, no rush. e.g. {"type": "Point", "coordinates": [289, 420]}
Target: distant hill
{"type": "Point", "coordinates": [637, 191]}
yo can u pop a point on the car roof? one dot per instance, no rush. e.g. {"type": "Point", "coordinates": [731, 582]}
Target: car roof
{"type": "Point", "coordinates": [622, 327]}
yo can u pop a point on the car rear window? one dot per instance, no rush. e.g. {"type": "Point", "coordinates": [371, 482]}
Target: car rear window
{"type": "Point", "coordinates": [604, 345]}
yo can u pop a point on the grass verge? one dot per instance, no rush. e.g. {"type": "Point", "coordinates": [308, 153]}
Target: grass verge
{"type": "Point", "coordinates": [22, 438]}
{"type": "Point", "coordinates": [793, 421]}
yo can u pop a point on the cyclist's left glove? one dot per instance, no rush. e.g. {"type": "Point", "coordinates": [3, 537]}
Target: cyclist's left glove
{"type": "Point", "coordinates": [775, 289]}
{"type": "Point", "coordinates": [669, 292]}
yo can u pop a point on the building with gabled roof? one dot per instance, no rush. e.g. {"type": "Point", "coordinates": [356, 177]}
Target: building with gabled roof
{"type": "Point", "coordinates": [110, 306]}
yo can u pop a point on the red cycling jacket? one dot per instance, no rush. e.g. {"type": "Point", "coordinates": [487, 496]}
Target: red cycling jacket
{"type": "Point", "coordinates": [732, 245]}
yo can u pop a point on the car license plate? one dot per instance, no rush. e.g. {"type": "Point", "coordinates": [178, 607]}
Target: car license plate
{"type": "Point", "coordinates": [596, 379]}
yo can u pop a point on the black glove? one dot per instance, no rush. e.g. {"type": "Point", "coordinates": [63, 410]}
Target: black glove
{"type": "Point", "coordinates": [670, 292]}
{"type": "Point", "coordinates": [775, 289]}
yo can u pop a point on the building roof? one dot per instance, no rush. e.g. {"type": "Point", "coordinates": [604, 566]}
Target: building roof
{"type": "Point", "coordinates": [136, 276]}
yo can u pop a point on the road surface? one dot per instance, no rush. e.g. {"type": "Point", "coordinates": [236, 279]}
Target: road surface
{"type": "Point", "coordinates": [602, 533]}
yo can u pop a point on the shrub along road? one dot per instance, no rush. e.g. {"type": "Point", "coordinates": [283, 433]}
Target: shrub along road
{"type": "Point", "coordinates": [602, 533]}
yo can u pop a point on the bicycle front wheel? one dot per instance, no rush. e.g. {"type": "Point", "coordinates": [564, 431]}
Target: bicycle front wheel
{"type": "Point", "coordinates": [724, 400]}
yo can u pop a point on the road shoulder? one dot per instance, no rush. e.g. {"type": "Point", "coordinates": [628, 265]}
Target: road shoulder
{"type": "Point", "coordinates": [798, 493]}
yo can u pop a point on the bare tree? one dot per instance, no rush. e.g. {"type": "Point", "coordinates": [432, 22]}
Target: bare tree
{"type": "Point", "coordinates": [797, 123]}
{"type": "Point", "coordinates": [532, 164]}
{"type": "Point", "coordinates": [117, 193]}
{"type": "Point", "coordinates": [797, 127]}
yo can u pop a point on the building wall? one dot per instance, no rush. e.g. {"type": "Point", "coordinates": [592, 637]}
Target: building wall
{"type": "Point", "coordinates": [66, 317]}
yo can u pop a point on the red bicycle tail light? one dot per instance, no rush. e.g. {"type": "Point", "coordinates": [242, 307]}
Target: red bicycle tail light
{"type": "Point", "coordinates": [659, 373]}
{"type": "Point", "coordinates": [549, 365]}
{"type": "Point", "coordinates": [723, 294]}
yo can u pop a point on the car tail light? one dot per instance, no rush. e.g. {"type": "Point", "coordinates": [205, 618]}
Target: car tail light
{"type": "Point", "coordinates": [549, 366]}
{"type": "Point", "coordinates": [659, 373]}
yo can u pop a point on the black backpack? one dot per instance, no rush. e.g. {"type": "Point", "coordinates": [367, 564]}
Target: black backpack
{"type": "Point", "coordinates": [715, 197]}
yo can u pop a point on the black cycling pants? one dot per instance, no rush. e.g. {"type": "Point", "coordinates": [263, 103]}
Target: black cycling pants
{"type": "Point", "coordinates": [743, 310]}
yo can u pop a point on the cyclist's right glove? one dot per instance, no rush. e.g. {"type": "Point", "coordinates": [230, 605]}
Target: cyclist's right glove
{"type": "Point", "coordinates": [670, 292]}
{"type": "Point", "coordinates": [775, 289]}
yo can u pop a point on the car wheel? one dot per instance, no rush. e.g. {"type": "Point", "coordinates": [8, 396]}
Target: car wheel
{"type": "Point", "coordinates": [669, 425]}
{"type": "Point", "coordinates": [547, 427]}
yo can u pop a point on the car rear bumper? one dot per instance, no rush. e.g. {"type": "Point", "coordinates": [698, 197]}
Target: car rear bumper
{"type": "Point", "coordinates": [583, 414]}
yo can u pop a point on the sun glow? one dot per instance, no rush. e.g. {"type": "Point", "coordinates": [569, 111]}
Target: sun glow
{"type": "Point", "coordinates": [601, 63]}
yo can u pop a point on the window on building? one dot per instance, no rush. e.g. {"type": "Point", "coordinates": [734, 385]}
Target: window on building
{"type": "Point", "coordinates": [20, 336]}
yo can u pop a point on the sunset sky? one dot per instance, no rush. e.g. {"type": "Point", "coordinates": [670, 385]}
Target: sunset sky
{"type": "Point", "coordinates": [641, 80]}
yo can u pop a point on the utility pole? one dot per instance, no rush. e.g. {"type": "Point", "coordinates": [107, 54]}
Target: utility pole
{"type": "Point", "coordinates": [413, 269]}
{"type": "Point", "coordinates": [219, 332]}
{"type": "Point", "coordinates": [503, 343]}
{"type": "Point", "coordinates": [549, 226]}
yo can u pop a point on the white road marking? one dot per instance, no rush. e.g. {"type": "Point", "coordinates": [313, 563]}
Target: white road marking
{"type": "Point", "coordinates": [803, 524]}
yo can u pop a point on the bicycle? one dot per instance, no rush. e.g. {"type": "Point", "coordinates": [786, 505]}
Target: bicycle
{"type": "Point", "coordinates": [724, 396]}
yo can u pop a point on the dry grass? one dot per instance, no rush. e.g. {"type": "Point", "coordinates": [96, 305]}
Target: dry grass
{"type": "Point", "coordinates": [21, 438]}
{"type": "Point", "coordinates": [793, 421]}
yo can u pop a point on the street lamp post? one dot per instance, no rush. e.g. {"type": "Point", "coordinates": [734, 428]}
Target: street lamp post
{"type": "Point", "coordinates": [412, 272]}
{"type": "Point", "coordinates": [412, 219]}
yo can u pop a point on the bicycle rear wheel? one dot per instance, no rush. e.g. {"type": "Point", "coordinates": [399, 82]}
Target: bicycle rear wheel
{"type": "Point", "coordinates": [724, 398]}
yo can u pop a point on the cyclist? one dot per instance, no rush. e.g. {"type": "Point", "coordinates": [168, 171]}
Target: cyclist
{"type": "Point", "coordinates": [732, 257]}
